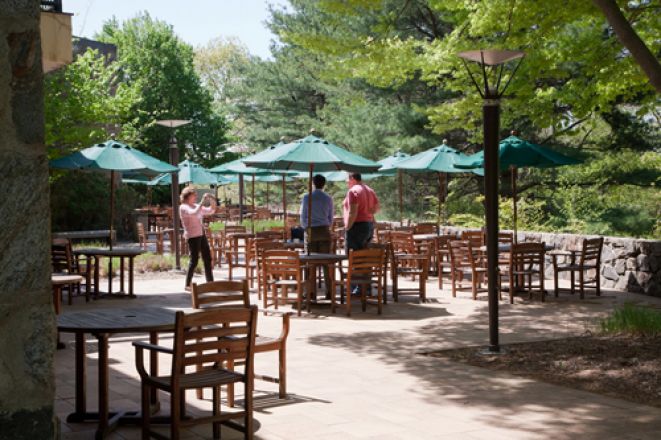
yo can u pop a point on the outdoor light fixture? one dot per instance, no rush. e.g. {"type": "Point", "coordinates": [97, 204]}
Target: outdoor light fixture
{"type": "Point", "coordinates": [174, 160]}
{"type": "Point", "coordinates": [492, 64]}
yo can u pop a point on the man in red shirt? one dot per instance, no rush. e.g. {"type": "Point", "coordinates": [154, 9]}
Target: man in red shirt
{"type": "Point", "coordinates": [359, 208]}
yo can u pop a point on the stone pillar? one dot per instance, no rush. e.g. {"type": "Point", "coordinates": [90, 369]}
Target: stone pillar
{"type": "Point", "coordinates": [27, 320]}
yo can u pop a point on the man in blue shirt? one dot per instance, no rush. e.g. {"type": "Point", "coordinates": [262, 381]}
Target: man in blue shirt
{"type": "Point", "coordinates": [319, 239]}
{"type": "Point", "coordinates": [322, 217]}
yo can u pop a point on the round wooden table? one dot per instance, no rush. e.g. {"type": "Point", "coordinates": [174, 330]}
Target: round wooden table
{"type": "Point", "coordinates": [59, 281]}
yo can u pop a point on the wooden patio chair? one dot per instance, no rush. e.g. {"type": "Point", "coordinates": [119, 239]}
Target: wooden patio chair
{"type": "Point", "coordinates": [406, 261]}
{"type": "Point", "coordinates": [582, 261]}
{"type": "Point", "coordinates": [463, 260]}
{"type": "Point", "coordinates": [64, 261]}
{"type": "Point", "coordinates": [145, 238]}
{"type": "Point", "coordinates": [525, 261]}
{"type": "Point", "coordinates": [425, 228]}
{"type": "Point", "coordinates": [283, 273]}
{"type": "Point", "coordinates": [365, 270]}
{"type": "Point", "coordinates": [211, 338]}
{"type": "Point", "coordinates": [443, 263]}
{"type": "Point", "coordinates": [218, 294]}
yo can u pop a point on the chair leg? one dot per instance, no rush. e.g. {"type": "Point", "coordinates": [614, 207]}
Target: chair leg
{"type": "Point", "coordinates": [282, 371]}
{"type": "Point", "coordinates": [541, 284]}
{"type": "Point", "coordinates": [216, 412]}
{"type": "Point", "coordinates": [581, 283]}
{"type": "Point", "coordinates": [598, 282]}
{"type": "Point", "coordinates": [175, 414]}
{"type": "Point", "coordinates": [379, 298]}
{"type": "Point", "coordinates": [395, 286]}
{"type": "Point", "coordinates": [146, 413]}
{"type": "Point", "coordinates": [555, 278]}
{"type": "Point", "coordinates": [573, 278]}
{"type": "Point", "coordinates": [230, 386]}
{"type": "Point", "coordinates": [363, 297]}
{"type": "Point", "coordinates": [248, 421]}
{"type": "Point", "coordinates": [423, 288]}
{"type": "Point", "coordinates": [454, 283]}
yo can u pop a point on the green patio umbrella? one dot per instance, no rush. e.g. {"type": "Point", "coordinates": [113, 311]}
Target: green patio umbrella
{"type": "Point", "coordinates": [239, 168]}
{"type": "Point", "coordinates": [440, 160]}
{"type": "Point", "coordinates": [311, 154]}
{"type": "Point", "coordinates": [190, 172]}
{"type": "Point", "coordinates": [113, 156]}
{"type": "Point", "coordinates": [514, 153]}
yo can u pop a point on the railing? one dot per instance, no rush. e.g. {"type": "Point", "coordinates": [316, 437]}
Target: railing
{"type": "Point", "coordinates": [51, 5]}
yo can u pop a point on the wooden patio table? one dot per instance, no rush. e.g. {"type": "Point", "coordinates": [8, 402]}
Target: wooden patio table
{"type": "Point", "coordinates": [314, 260]}
{"type": "Point", "coordinates": [96, 254]}
{"type": "Point", "coordinates": [102, 323]}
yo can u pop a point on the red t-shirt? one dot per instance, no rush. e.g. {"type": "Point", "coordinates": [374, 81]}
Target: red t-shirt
{"type": "Point", "coordinates": [365, 198]}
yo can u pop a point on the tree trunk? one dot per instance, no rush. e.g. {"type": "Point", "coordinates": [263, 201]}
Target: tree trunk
{"type": "Point", "coordinates": [630, 39]}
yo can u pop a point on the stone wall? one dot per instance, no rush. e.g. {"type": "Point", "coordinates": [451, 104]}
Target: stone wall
{"type": "Point", "coordinates": [27, 325]}
{"type": "Point", "coordinates": [627, 264]}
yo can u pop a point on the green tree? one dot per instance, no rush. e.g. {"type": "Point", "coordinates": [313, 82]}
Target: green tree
{"type": "Point", "coordinates": [160, 67]}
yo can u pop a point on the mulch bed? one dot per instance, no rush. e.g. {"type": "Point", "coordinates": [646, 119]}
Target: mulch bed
{"type": "Point", "coordinates": [624, 367]}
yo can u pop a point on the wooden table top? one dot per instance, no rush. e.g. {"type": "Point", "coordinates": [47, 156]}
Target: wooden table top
{"type": "Point", "coordinates": [118, 320]}
{"type": "Point", "coordinates": [116, 252]}
{"type": "Point", "coordinates": [318, 257]}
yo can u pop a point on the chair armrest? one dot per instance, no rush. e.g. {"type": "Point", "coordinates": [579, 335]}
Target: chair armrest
{"type": "Point", "coordinates": [139, 355]}
{"type": "Point", "coordinates": [145, 345]}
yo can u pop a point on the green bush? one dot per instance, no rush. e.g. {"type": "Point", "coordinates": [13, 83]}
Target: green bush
{"type": "Point", "coordinates": [632, 319]}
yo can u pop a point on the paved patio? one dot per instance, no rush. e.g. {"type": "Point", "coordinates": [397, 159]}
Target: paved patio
{"type": "Point", "coordinates": [364, 377]}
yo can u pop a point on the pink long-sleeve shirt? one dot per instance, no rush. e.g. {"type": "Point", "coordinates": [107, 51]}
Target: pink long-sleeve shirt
{"type": "Point", "coordinates": [191, 219]}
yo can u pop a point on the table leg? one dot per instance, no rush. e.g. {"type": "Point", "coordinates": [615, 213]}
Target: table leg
{"type": "Point", "coordinates": [103, 384]}
{"type": "Point", "coordinates": [153, 370]}
{"type": "Point", "coordinates": [110, 276]}
{"type": "Point", "coordinates": [121, 274]}
{"type": "Point", "coordinates": [131, 276]}
{"type": "Point", "coordinates": [96, 277]}
{"type": "Point", "coordinates": [81, 386]}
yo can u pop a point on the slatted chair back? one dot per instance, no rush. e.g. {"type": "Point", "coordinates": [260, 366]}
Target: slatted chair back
{"type": "Point", "coordinates": [213, 337]}
{"type": "Point", "coordinates": [506, 238]}
{"type": "Point", "coordinates": [461, 254]}
{"type": "Point", "coordinates": [404, 229]}
{"type": "Point", "coordinates": [425, 228]}
{"type": "Point", "coordinates": [383, 226]}
{"type": "Point", "coordinates": [280, 230]}
{"type": "Point", "coordinates": [234, 214]}
{"type": "Point", "coordinates": [366, 263]}
{"type": "Point", "coordinates": [402, 242]}
{"type": "Point", "coordinates": [229, 229]}
{"type": "Point", "coordinates": [61, 255]}
{"type": "Point", "coordinates": [216, 294]}
{"type": "Point", "coordinates": [282, 265]}
{"type": "Point", "coordinates": [262, 213]}
{"type": "Point", "coordinates": [338, 223]}
{"type": "Point", "coordinates": [591, 253]}
{"type": "Point", "coordinates": [476, 238]}
{"type": "Point", "coordinates": [527, 255]}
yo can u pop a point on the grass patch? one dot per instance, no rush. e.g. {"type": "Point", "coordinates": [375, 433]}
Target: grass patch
{"type": "Point", "coordinates": [260, 225]}
{"type": "Point", "coordinates": [634, 320]}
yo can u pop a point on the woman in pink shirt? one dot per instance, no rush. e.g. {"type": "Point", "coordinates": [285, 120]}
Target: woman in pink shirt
{"type": "Point", "coordinates": [191, 214]}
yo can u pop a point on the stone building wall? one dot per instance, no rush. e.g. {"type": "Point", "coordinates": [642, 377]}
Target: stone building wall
{"type": "Point", "coordinates": [27, 326]}
{"type": "Point", "coordinates": [627, 264]}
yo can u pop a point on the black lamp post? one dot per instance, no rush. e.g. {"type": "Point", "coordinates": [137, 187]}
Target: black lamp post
{"type": "Point", "coordinates": [174, 160]}
{"type": "Point", "coordinates": [492, 63]}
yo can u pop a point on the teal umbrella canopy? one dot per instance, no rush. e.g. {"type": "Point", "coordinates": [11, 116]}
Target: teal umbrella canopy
{"type": "Point", "coordinates": [440, 159]}
{"type": "Point", "coordinates": [113, 156]}
{"type": "Point", "coordinates": [308, 152]}
{"type": "Point", "coordinates": [516, 152]}
{"type": "Point", "coordinates": [388, 164]}
{"type": "Point", "coordinates": [238, 167]}
{"type": "Point", "coordinates": [190, 172]}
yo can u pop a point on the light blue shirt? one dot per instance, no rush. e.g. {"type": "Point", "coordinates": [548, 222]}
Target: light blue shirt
{"type": "Point", "coordinates": [322, 209]}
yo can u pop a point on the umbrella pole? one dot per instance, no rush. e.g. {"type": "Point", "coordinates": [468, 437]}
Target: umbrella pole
{"type": "Point", "coordinates": [514, 176]}
{"type": "Point", "coordinates": [309, 231]}
{"type": "Point", "coordinates": [400, 179]}
{"type": "Point", "coordinates": [112, 211]}
{"type": "Point", "coordinates": [252, 215]}
{"type": "Point", "coordinates": [441, 191]}
{"type": "Point", "coordinates": [267, 194]}
{"type": "Point", "coordinates": [240, 198]}
{"type": "Point", "coordinates": [284, 203]}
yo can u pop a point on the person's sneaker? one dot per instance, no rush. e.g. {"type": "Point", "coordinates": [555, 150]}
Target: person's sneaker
{"type": "Point", "coordinates": [187, 288]}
